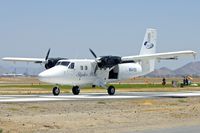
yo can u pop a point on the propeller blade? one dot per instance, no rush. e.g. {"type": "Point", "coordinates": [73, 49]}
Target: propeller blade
{"type": "Point", "coordinates": [93, 53]}
{"type": "Point", "coordinates": [95, 70]}
{"type": "Point", "coordinates": [47, 56]}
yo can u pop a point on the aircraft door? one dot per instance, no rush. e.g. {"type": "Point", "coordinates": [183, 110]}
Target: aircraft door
{"type": "Point", "coordinates": [113, 74]}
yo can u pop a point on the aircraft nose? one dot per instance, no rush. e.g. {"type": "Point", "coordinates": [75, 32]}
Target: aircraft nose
{"type": "Point", "coordinates": [51, 75]}
{"type": "Point", "coordinates": [44, 76]}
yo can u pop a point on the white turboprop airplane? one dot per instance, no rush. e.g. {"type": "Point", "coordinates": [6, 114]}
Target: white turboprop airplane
{"type": "Point", "coordinates": [102, 70]}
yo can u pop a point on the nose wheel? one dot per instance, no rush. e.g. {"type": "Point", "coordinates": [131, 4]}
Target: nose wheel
{"type": "Point", "coordinates": [56, 91]}
{"type": "Point", "coordinates": [75, 90]}
{"type": "Point", "coordinates": [111, 90]}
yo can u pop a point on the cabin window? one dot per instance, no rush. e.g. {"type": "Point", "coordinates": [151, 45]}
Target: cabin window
{"type": "Point", "coordinates": [71, 66]}
{"type": "Point", "coordinates": [81, 67]}
{"type": "Point", "coordinates": [86, 67]}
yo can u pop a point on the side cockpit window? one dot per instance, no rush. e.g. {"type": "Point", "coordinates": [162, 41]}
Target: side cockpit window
{"type": "Point", "coordinates": [71, 66]}
{"type": "Point", "coordinates": [65, 63]}
{"type": "Point", "coordinates": [58, 63]}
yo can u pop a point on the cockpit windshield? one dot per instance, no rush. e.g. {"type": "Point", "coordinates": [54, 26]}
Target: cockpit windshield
{"type": "Point", "coordinates": [64, 63]}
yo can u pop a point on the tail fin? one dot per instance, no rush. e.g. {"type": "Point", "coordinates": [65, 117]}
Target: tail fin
{"type": "Point", "coordinates": [148, 47]}
{"type": "Point", "coordinates": [149, 43]}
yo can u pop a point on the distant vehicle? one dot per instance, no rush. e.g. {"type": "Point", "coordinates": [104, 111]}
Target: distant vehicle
{"type": "Point", "coordinates": [104, 69]}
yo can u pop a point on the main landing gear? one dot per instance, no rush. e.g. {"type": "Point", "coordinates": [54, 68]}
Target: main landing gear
{"type": "Point", "coordinates": [75, 90]}
{"type": "Point", "coordinates": [111, 90]}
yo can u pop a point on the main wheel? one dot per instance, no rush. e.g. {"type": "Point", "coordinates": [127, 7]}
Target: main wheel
{"type": "Point", "coordinates": [75, 90]}
{"type": "Point", "coordinates": [56, 91]}
{"type": "Point", "coordinates": [111, 90]}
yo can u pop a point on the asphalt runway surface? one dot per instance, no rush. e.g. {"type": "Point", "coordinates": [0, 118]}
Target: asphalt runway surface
{"type": "Point", "coordinates": [96, 96]}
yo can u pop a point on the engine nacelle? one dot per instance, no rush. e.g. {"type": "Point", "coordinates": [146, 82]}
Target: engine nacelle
{"type": "Point", "coordinates": [51, 62]}
{"type": "Point", "coordinates": [129, 70]}
{"type": "Point", "coordinates": [109, 61]}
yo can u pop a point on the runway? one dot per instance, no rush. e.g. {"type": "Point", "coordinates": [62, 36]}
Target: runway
{"type": "Point", "coordinates": [95, 96]}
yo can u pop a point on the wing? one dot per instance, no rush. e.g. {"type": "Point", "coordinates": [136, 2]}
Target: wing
{"type": "Point", "coordinates": [16, 59]}
{"type": "Point", "coordinates": [160, 56]}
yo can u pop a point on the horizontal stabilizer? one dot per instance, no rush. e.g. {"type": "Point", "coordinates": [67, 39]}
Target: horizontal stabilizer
{"type": "Point", "coordinates": [160, 56]}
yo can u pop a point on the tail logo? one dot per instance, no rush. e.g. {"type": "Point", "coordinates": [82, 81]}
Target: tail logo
{"type": "Point", "coordinates": [148, 45]}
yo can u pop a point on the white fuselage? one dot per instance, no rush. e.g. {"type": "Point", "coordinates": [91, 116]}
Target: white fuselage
{"type": "Point", "coordinates": [82, 72]}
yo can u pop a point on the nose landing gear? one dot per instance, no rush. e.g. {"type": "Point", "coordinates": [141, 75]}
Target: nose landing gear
{"type": "Point", "coordinates": [56, 91]}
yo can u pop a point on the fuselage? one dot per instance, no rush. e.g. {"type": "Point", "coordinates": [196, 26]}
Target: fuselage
{"type": "Point", "coordinates": [82, 72]}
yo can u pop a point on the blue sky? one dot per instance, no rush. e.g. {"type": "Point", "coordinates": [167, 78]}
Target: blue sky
{"type": "Point", "coordinates": [109, 27]}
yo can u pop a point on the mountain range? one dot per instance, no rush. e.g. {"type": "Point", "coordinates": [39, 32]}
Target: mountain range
{"type": "Point", "coordinates": [192, 69]}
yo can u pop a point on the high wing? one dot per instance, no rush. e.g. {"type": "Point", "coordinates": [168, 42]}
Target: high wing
{"type": "Point", "coordinates": [16, 59]}
{"type": "Point", "coordinates": [159, 56]}
{"type": "Point", "coordinates": [48, 62]}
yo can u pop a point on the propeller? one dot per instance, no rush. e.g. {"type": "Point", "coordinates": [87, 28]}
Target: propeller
{"type": "Point", "coordinates": [47, 56]}
{"type": "Point", "coordinates": [95, 56]}
{"type": "Point", "coordinates": [50, 62]}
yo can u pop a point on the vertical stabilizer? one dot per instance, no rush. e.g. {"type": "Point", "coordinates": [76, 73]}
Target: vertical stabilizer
{"type": "Point", "coordinates": [148, 47]}
{"type": "Point", "coordinates": [149, 42]}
